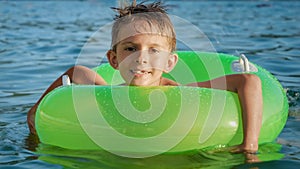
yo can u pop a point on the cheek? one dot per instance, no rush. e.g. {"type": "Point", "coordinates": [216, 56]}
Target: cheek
{"type": "Point", "coordinates": [125, 61]}
{"type": "Point", "coordinates": [124, 56]}
{"type": "Point", "coordinates": [160, 63]}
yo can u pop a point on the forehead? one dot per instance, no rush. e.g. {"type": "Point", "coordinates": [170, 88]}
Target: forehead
{"type": "Point", "coordinates": [138, 27]}
{"type": "Point", "coordinates": [146, 39]}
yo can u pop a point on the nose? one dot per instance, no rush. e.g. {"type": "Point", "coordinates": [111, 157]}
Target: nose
{"type": "Point", "coordinates": [142, 57]}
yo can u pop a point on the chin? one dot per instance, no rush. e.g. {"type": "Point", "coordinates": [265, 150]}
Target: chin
{"type": "Point", "coordinates": [140, 84]}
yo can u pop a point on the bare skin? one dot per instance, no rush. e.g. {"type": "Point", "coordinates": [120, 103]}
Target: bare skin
{"type": "Point", "coordinates": [243, 84]}
{"type": "Point", "coordinates": [143, 58]}
{"type": "Point", "coordinates": [78, 75]}
{"type": "Point", "coordinates": [248, 87]}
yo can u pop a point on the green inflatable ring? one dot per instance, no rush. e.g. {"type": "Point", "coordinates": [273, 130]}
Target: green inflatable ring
{"type": "Point", "coordinates": [144, 121]}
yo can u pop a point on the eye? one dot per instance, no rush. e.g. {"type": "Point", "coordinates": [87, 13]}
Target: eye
{"type": "Point", "coordinates": [154, 51]}
{"type": "Point", "coordinates": [131, 49]}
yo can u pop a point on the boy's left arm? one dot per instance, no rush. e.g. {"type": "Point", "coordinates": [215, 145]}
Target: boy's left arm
{"type": "Point", "coordinates": [248, 88]}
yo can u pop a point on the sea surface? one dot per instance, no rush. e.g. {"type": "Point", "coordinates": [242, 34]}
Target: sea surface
{"type": "Point", "coordinates": [39, 40]}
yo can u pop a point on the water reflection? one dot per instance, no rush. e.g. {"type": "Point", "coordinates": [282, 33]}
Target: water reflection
{"type": "Point", "coordinates": [196, 159]}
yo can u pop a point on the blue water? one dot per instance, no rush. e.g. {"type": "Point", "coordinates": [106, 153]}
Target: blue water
{"type": "Point", "coordinates": [40, 40]}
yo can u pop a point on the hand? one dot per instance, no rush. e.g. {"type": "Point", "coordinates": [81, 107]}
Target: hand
{"type": "Point", "coordinates": [250, 153]}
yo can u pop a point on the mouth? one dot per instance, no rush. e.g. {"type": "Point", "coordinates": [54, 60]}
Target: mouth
{"type": "Point", "coordinates": [140, 72]}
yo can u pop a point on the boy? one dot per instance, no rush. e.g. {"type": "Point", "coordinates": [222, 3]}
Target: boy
{"type": "Point", "coordinates": [142, 49]}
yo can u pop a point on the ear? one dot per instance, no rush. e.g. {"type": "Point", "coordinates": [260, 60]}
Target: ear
{"type": "Point", "coordinates": [112, 59]}
{"type": "Point", "coordinates": [173, 58]}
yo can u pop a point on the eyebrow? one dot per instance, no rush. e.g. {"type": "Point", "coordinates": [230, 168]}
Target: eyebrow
{"type": "Point", "coordinates": [125, 43]}
{"type": "Point", "coordinates": [131, 43]}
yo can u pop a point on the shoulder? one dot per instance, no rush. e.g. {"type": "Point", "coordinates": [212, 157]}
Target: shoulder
{"type": "Point", "coordinates": [168, 82]}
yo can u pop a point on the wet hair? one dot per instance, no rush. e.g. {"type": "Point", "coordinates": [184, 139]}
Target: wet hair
{"type": "Point", "coordinates": [153, 14]}
{"type": "Point", "coordinates": [139, 8]}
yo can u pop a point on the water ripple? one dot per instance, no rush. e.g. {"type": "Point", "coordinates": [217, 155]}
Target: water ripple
{"type": "Point", "coordinates": [40, 40]}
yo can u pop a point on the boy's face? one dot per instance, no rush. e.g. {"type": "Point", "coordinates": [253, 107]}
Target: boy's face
{"type": "Point", "coordinates": [142, 58]}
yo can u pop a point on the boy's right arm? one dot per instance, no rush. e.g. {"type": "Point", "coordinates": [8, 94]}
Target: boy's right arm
{"type": "Point", "coordinates": [78, 75]}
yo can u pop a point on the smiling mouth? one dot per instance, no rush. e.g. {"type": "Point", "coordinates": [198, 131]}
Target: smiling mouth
{"type": "Point", "coordinates": [140, 72]}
